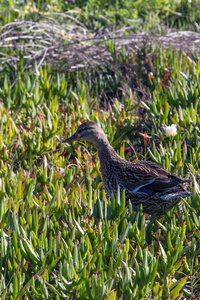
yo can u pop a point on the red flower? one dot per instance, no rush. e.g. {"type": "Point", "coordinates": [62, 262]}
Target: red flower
{"type": "Point", "coordinates": [145, 136]}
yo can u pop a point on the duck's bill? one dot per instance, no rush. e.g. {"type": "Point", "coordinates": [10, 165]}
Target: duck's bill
{"type": "Point", "coordinates": [72, 138]}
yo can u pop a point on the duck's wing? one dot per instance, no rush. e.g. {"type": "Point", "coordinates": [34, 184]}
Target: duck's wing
{"type": "Point", "coordinates": [147, 177]}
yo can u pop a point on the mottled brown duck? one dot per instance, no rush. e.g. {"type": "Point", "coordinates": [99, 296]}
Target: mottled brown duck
{"type": "Point", "coordinates": [144, 182]}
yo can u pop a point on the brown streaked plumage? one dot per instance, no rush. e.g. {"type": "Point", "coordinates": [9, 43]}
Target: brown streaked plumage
{"type": "Point", "coordinates": [144, 182]}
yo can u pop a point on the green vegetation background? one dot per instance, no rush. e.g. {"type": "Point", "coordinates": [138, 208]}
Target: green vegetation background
{"type": "Point", "coordinates": [60, 236]}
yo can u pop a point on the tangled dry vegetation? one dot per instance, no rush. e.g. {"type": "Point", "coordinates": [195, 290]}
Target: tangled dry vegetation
{"type": "Point", "coordinates": [72, 46]}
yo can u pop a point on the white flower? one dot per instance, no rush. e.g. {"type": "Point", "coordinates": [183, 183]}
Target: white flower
{"type": "Point", "coordinates": [170, 130]}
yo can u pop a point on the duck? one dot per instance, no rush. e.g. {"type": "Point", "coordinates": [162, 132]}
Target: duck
{"type": "Point", "coordinates": [144, 182]}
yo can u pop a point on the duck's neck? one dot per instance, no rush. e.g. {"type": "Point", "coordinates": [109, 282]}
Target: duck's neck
{"type": "Point", "coordinates": [107, 155]}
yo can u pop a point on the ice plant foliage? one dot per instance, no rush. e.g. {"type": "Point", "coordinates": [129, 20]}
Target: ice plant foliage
{"type": "Point", "coordinates": [60, 236]}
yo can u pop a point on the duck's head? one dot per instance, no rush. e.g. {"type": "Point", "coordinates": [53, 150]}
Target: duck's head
{"type": "Point", "coordinates": [89, 131]}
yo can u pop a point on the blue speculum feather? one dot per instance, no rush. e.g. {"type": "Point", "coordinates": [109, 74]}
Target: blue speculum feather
{"type": "Point", "coordinates": [148, 192]}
